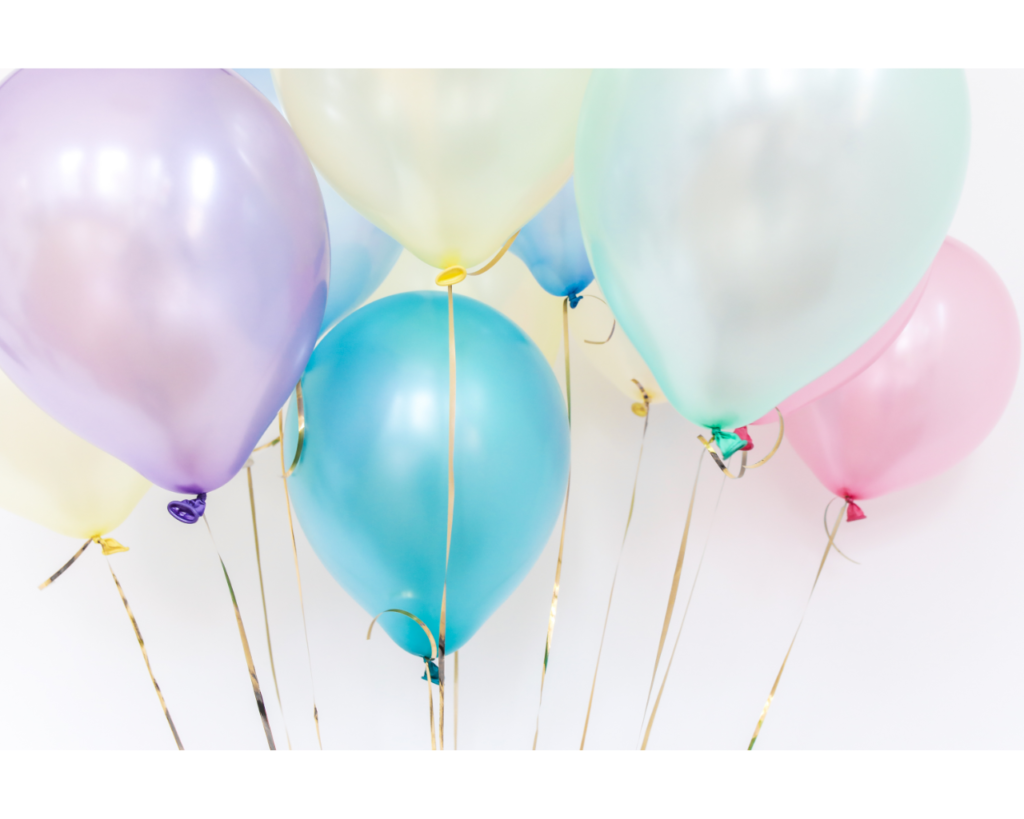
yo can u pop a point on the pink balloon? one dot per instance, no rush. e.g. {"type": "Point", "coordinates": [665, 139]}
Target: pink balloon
{"type": "Point", "coordinates": [852, 366]}
{"type": "Point", "coordinates": [163, 262]}
{"type": "Point", "coordinates": [930, 399]}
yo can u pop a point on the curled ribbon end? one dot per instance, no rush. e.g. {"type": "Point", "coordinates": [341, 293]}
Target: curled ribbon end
{"type": "Point", "coordinates": [188, 510]}
{"type": "Point", "coordinates": [853, 511]}
{"type": "Point", "coordinates": [742, 433]}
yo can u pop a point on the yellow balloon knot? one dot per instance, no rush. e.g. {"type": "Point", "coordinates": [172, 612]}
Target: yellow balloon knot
{"type": "Point", "coordinates": [450, 276]}
{"type": "Point", "coordinates": [640, 409]}
{"type": "Point", "coordinates": [110, 546]}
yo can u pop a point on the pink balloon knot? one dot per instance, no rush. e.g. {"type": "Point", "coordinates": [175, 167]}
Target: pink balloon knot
{"type": "Point", "coordinates": [742, 433]}
{"type": "Point", "coordinates": [188, 510]}
{"type": "Point", "coordinates": [853, 511]}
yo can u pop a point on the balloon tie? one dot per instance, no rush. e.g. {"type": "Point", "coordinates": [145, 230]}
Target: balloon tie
{"type": "Point", "coordinates": [574, 299]}
{"type": "Point", "coordinates": [853, 511]}
{"type": "Point", "coordinates": [775, 685]}
{"type": "Point", "coordinates": [188, 510]}
{"type": "Point", "coordinates": [622, 548]}
{"type": "Point", "coordinates": [738, 441]}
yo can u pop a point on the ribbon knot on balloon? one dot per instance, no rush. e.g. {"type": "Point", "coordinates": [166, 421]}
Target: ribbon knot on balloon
{"type": "Point", "coordinates": [853, 511]}
{"type": "Point", "coordinates": [435, 675]}
{"type": "Point", "coordinates": [574, 299]}
{"type": "Point", "coordinates": [729, 443]}
{"type": "Point", "coordinates": [188, 510]}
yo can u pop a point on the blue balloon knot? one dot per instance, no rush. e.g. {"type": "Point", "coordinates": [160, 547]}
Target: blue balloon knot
{"type": "Point", "coordinates": [188, 510]}
{"type": "Point", "coordinates": [435, 675]}
{"type": "Point", "coordinates": [574, 299]}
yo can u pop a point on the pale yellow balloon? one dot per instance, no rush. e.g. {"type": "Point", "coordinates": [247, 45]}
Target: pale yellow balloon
{"type": "Point", "coordinates": [451, 163]}
{"type": "Point", "coordinates": [51, 476]}
{"type": "Point", "coordinates": [617, 360]}
{"type": "Point", "coordinates": [508, 287]}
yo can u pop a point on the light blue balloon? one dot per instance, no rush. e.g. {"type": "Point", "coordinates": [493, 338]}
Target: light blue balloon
{"type": "Point", "coordinates": [551, 245]}
{"type": "Point", "coordinates": [371, 487]}
{"type": "Point", "coordinates": [752, 229]}
{"type": "Point", "coordinates": [362, 254]}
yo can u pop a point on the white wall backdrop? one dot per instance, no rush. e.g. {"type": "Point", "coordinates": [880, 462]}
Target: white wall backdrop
{"type": "Point", "coordinates": [919, 646]}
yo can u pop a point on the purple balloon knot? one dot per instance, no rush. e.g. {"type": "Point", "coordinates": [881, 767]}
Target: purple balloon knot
{"type": "Point", "coordinates": [574, 299]}
{"type": "Point", "coordinates": [188, 510]}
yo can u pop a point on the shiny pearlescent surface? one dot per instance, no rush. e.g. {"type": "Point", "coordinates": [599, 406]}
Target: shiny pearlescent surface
{"type": "Point", "coordinates": [450, 163]}
{"type": "Point", "coordinates": [931, 398]}
{"type": "Point", "coordinates": [752, 229]}
{"type": "Point", "coordinates": [371, 487]}
{"type": "Point", "coordinates": [163, 262]}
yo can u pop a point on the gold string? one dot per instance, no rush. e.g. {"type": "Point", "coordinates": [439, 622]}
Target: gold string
{"type": "Point", "coordinates": [447, 278]}
{"type": "Point", "coordinates": [565, 516]}
{"type": "Point", "coordinates": [263, 598]}
{"type": "Point", "coordinates": [451, 512]}
{"type": "Point", "coordinates": [66, 566]}
{"type": "Point", "coordinates": [618, 562]}
{"type": "Point", "coordinates": [145, 656]}
{"type": "Point", "coordinates": [426, 664]}
{"type": "Point", "coordinates": [744, 466]}
{"type": "Point", "coordinates": [300, 439]}
{"type": "Point", "coordinates": [682, 622]}
{"type": "Point", "coordinates": [775, 685]}
{"type": "Point", "coordinates": [455, 657]}
{"type": "Point", "coordinates": [245, 644]}
{"type": "Point", "coordinates": [430, 697]}
{"type": "Point", "coordinates": [675, 583]}
{"type": "Point", "coordinates": [298, 575]}
{"type": "Point", "coordinates": [610, 332]}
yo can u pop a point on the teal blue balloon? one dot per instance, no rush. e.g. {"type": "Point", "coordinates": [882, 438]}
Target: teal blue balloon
{"type": "Point", "coordinates": [371, 486]}
{"type": "Point", "coordinates": [752, 229]}
{"type": "Point", "coordinates": [362, 254]}
{"type": "Point", "coordinates": [551, 245]}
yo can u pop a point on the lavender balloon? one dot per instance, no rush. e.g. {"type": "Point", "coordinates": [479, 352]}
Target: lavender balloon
{"type": "Point", "coordinates": [163, 262]}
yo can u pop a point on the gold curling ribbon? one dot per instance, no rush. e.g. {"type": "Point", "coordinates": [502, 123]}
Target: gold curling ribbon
{"type": "Point", "coordinates": [263, 598]}
{"type": "Point", "coordinates": [448, 278]}
{"type": "Point", "coordinates": [145, 656]}
{"type": "Point", "coordinates": [775, 685]}
{"type": "Point", "coordinates": [618, 562]}
{"type": "Point", "coordinates": [300, 440]}
{"type": "Point", "coordinates": [561, 540]}
{"type": "Point", "coordinates": [744, 466]}
{"type": "Point", "coordinates": [456, 709]}
{"type": "Point", "coordinates": [426, 663]}
{"type": "Point", "coordinates": [682, 622]}
{"type": "Point", "coordinates": [295, 554]}
{"type": "Point", "coordinates": [675, 583]}
{"type": "Point", "coordinates": [610, 333]}
{"type": "Point", "coordinates": [110, 546]}
{"type": "Point", "coordinates": [245, 644]}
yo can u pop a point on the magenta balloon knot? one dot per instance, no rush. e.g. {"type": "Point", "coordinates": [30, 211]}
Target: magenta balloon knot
{"type": "Point", "coordinates": [742, 433]}
{"type": "Point", "coordinates": [853, 511]}
{"type": "Point", "coordinates": [188, 510]}
{"type": "Point", "coordinates": [574, 299]}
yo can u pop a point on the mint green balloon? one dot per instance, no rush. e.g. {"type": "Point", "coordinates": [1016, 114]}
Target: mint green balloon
{"type": "Point", "coordinates": [751, 229]}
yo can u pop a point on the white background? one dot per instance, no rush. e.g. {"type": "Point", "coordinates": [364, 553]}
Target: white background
{"type": "Point", "coordinates": [919, 646]}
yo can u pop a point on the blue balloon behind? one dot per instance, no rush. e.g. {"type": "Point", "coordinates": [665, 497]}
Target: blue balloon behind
{"type": "Point", "coordinates": [551, 245]}
{"type": "Point", "coordinates": [371, 488]}
{"type": "Point", "coordinates": [362, 254]}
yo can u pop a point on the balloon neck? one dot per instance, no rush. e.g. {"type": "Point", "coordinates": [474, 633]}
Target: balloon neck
{"type": "Point", "coordinates": [853, 511]}
{"type": "Point", "coordinates": [574, 299]}
{"type": "Point", "coordinates": [435, 675]}
{"type": "Point", "coordinates": [188, 510]}
{"type": "Point", "coordinates": [729, 443]}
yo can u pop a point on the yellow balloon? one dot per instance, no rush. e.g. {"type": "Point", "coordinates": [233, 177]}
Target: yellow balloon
{"type": "Point", "coordinates": [449, 162]}
{"type": "Point", "coordinates": [508, 287]}
{"type": "Point", "coordinates": [51, 476]}
{"type": "Point", "coordinates": [617, 360]}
